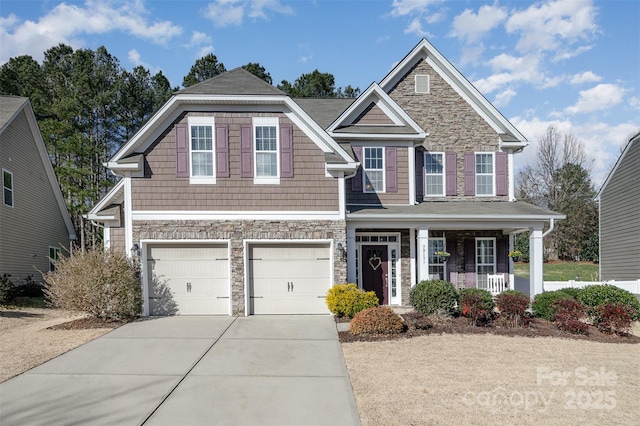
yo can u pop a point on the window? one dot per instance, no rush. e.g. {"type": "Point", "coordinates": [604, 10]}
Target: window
{"type": "Point", "coordinates": [373, 170]}
{"type": "Point", "coordinates": [436, 263]}
{"type": "Point", "coordinates": [434, 173]}
{"type": "Point", "coordinates": [202, 149]}
{"type": "Point", "coordinates": [484, 173]}
{"type": "Point", "coordinates": [54, 254]}
{"type": "Point", "coordinates": [266, 150]}
{"type": "Point", "coordinates": [485, 260]}
{"type": "Point", "coordinates": [7, 187]}
{"type": "Point", "coordinates": [422, 84]}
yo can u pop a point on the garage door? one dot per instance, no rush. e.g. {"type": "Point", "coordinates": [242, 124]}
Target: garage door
{"type": "Point", "coordinates": [188, 280]}
{"type": "Point", "coordinates": [289, 279]}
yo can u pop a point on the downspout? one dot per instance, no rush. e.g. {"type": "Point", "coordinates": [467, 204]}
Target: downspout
{"type": "Point", "coordinates": [551, 225]}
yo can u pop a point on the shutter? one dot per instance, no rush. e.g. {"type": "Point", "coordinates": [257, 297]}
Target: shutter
{"type": "Point", "coordinates": [451, 176]}
{"type": "Point", "coordinates": [501, 174]}
{"type": "Point", "coordinates": [502, 255]}
{"type": "Point", "coordinates": [356, 181]}
{"type": "Point", "coordinates": [182, 150]}
{"type": "Point", "coordinates": [391, 169]}
{"type": "Point", "coordinates": [286, 151]}
{"type": "Point", "coordinates": [452, 262]}
{"type": "Point", "coordinates": [222, 151]}
{"type": "Point", "coordinates": [246, 151]}
{"type": "Point", "coordinates": [469, 174]}
{"type": "Point", "coordinates": [420, 175]}
{"type": "Point", "coordinates": [470, 263]}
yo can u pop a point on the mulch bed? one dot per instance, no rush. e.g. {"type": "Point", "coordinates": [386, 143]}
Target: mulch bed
{"type": "Point", "coordinates": [460, 325]}
{"type": "Point", "coordinates": [88, 323]}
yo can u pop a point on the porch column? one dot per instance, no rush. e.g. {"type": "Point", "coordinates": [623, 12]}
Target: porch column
{"type": "Point", "coordinates": [412, 255]}
{"type": "Point", "coordinates": [423, 254]}
{"type": "Point", "coordinates": [512, 281]}
{"type": "Point", "coordinates": [536, 260]}
{"type": "Point", "coordinates": [351, 254]}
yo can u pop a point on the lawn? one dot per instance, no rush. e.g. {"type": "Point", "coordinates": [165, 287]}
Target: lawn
{"type": "Point", "coordinates": [562, 271]}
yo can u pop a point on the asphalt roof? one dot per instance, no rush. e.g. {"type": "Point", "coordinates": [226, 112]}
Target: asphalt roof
{"type": "Point", "coordinates": [324, 110]}
{"type": "Point", "coordinates": [238, 81]}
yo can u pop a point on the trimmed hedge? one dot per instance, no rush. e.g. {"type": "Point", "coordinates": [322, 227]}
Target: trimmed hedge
{"type": "Point", "coordinates": [346, 300]}
{"type": "Point", "coordinates": [434, 296]}
{"type": "Point", "coordinates": [476, 304]}
{"type": "Point", "coordinates": [543, 303]}
{"type": "Point", "coordinates": [376, 320]}
{"type": "Point", "coordinates": [594, 296]}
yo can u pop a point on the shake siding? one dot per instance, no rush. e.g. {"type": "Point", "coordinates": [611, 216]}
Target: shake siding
{"type": "Point", "coordinates": [309, 189]}
{"type": "Point", "coordinates": [452, 123]}
{"type": "Point", "coordinates": [620, 220]}
{"type": "Point", "coordinates": [117, 240]}
{"type": "Point", "coordinates": [399, 197]}
{"type": "Point", "coordinates": [373, 115]}
{"type": "Point", "coordinates": [35, 222]}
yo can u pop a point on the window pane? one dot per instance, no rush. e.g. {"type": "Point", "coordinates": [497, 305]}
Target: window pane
{"type": "Point", "coordinates": [201, 138]}
{"type": "Point", "coordinates": [433, 163]}
{"type": "Point", "coordinates": [434, 185]}
{"type": "Point", "coordinates": [201, 164]}
{"type": "Point", "coordinates": [266, 138]}
{"type": "Point", "coordinates": [374, 181]}
{"type": "Point", "coordinates": [484, 163]}
{"type": "Point", "coordinates": [7, 180]}
{"type": "Point", "coordinates": [484, 185]}
{"type": "Point", "coordinates": [266, 164]}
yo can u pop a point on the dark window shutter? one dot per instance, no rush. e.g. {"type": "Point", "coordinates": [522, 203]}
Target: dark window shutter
{"type": "Point", "coordinates": [356, 181]}
{"type": "Point", "coordinates": [501, 174]}
{"type": "Point", "coordinates": [470, 262]}
{"type": "Point", "coordinates": [391, 171]}
{"type": "Point", "coordinates": [420, 174]}
{"type": "Point", "coordinates": [502, 255]}
{"type": "Point", "coordinates": [222, 151]}
{"type": "Point", "coordinates": [451, 175]}
{"type": "Point", "coordinates": [286, 151]}
{"type": "Point", "coordinates": [246, 151]}
{"type": "Point", "coordinates": [469, 173]}
{"type": "Point", "coordinates": [182, 150]}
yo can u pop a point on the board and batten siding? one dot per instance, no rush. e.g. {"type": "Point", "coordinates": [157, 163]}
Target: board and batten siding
{"type": "Point", "coordinates": [620, 220]}
{"type": "Point", "coordinates": [35, 222]}
{"type": "Point", "coordinates": [308, 190]}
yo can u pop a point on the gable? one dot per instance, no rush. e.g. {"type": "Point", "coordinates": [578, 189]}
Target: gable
{"type": "Point", "coordinates": [628, 162]}
{"type": "Point", "coordinates": [373, 114]}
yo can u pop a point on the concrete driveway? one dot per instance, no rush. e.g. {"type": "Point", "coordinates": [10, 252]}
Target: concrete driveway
{"type": "Point", "coordinates": [271, 370]}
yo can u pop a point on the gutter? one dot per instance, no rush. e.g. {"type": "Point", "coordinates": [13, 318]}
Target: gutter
{"type": "Point", "coordinates": [551, 226]}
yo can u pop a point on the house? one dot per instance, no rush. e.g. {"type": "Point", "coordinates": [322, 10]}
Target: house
{"type": "Point", "coordinates": [619, 203]}
{"type": "Point", "coordinates": [241, 200]}
{"type": "Point", "coordinates": [34, 222]}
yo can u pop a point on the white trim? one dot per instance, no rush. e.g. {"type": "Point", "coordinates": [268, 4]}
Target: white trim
{"type": "Point", "coordinates": [202, 121]}
{"type": "Point", "coordinates": [423, 253]}
{"type": "Point", "coordinates": [417, 85]}
{"type": "Point", "coordinates": [495, 256]}
{"type": "Point", "coordinates": [393, 301]}
{"type": "Point", "coordinates": [108, 199]}
{"type": "Point", "coordinates": [12, 189]}
{"type": "Point", "coordinates": [106, 237]}
{"type": "Point", "coordinates": [411, 158]}
{"type": "Point", "coordinates": [342, 196]}
{"type": "Point", "coordinates": [266, 122]}
{"type": "Point", "coordinates": [443, 174]}
{"type": "Point", "coordinates": [383, 170]}
{"type": "Point", "coordinates": [511, 174]}
{"type": "Point", "coordinates": [493, 173]}
{"type": "Point", "coordinates": [234, 215]}
{"type": "Point", "coordinates": [128, 218]}
{"type": "Point", "coordinates": [412, 254]}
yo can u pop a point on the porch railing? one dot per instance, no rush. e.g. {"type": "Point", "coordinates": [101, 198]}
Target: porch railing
{"type": "Point", "coordinates": [496, 284]}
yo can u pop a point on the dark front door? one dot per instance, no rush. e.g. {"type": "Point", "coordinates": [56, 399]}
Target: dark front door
{"type": "Point", "coordinates": [375, 267]}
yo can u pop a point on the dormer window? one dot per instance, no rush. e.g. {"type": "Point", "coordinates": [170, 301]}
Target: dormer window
{"type": "Point", "coordinates": [422, 84]}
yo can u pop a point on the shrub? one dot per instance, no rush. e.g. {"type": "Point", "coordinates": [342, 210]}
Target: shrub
{"type": "Point", "coordinates": [346, 300]}
{"type": "Point", "coordinates": [615, 318]}
{"type": "Point", "coordinates": [417, 320]}
{"type": "Point", "coordinates": [376, 320]}
{"type": "Point", "coordinates": [594, 296]}
{"type": "Point", "coordinates": [7, 289]}
{"type": "Point", "coordinates": [476, 304]}
{"type": "Point", "coordinates": [543, 303]}
{"type": "Point", "coordinates": [512, 305]}
{"type": "Point", "coordinates": [30, 288]}
{"type": "Point", "coordinates": [104, 284]}
{"type": "Point", "coordinates": [568, 314]}
{"type": "Point", "coordinates": [572, 292]}
{"type": "Point", "coordinates": [434, 296]}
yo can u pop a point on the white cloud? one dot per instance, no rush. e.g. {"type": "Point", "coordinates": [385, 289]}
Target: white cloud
{"type": "Point", "coordinates": [411, 7]}
{"type": "Point", "coordinates": [471, 27]}
{"type": "Point", "coordinates": [204, 51]}
{"type": "Point", "coordinates": [224, 13]}
{"type": "Point", "coordinates": [504, 97]}
{"type": "Point", "coordinates": [136, 59]}
{"type": "Point", "coordinates": [585, 77]}
{"type": "Point", "coordinates": [305, 59]}
{"type": "Point", "coordinates": [415, 27]}
{"type": "Point", "coordinates": [418, 11]}
{"type": "Point", "coordinates": [511, 69]}
{"type": "Point", "coordinates": [598, 98]}
{"type": "Point", "coordinates": [198, 38]}
{"type": "Point", "coordinates": [67, 23]}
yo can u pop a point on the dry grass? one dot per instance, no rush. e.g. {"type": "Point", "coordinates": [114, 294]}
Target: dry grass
{"type": "Point", "coordinates": [487, 379]}
{"type": "Point", "coordinates": [25, 341]}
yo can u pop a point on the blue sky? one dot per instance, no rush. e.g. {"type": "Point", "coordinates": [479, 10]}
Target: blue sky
{"type": "Point", "coordinates": [571, 63]}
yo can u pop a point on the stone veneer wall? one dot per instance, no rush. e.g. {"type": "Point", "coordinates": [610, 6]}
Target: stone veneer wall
{"type": "Point", "coordinates": [237, 232]}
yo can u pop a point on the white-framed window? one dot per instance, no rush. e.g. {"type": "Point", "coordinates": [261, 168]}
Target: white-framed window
{"type": "Point", "coordinates": [485, 260]}
{"type": "Point", "coordinates": [202, 150]}
{"type": "Point", "coordinates": [54, 255]}
{"type": "Point", "coordinates": [7, 188]}
{"type": "Point", "coordinates": [422, 84]}
{"type": "Point", "coordinates": [373, 167]}
{"type": "Point", "coordinates": [266, 158]}
{"type": "Point", "coordinates": [437, 263]}
{"type": "Point", "coordinates": [434, 167]}
{"type": "Point", "coordinates": [485, 172]}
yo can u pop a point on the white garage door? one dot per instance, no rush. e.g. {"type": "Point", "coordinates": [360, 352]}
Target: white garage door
{"type": "Point", "coordinates": [289, 279]}
{"type": "Point", "coordinates": [188, 280]}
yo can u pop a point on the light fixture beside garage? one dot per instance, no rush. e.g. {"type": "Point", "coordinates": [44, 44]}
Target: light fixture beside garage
{"type": "Point", "coordinates": [135, 250]}
{"type": "Point", "coordinates": [342, 253]}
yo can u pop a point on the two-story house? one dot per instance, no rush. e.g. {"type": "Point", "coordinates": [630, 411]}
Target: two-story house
{"type": "Point", "coordinates": [241, 200]}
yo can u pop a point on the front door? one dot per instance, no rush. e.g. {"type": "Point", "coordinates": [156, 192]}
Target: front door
{"type": "Point", "coordinates": [375, 269]}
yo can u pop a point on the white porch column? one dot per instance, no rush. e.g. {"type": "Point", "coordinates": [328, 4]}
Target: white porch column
{"type": "Point", "coordinates": [128, 221]}
{"type": "Point", "coordinates": [536, 260]}
{"type": "Point", "coordinates": [423, 254]}
{"type": "Point", "coordinates": [412, 255]}
{"type": "Point", "coordinates": [512, 281]}
{"type": "Point", "coordinates": [351, 254]}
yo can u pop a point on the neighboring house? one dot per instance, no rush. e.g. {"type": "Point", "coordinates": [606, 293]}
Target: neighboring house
{"type": "Point", "coordinates": [241, 200]}
{"type": "Point", "coordinates": [35, 225]}
{"type": "Point", "coordinates": [619, 201]}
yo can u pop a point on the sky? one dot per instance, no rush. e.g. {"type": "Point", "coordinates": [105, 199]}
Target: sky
{"type": "Point", "coordinates": [573, 64]}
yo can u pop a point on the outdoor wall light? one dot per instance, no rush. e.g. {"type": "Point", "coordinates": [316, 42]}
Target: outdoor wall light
{"type": "Point", "coordinates": [135, 250]}
{"type": "Point", "coordinates": [342, 253]}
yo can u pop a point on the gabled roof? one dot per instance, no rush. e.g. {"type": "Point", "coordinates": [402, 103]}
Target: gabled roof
{"type": "Point", "coordinates": [106, 209]}
{"type": "Point", "coordinates": [10, 108]}
{"type": "Point", "coordinates": [324, 110]}
{"type": "Point", "coordinates": [634, 139]}
{"type": "Point", "coordinates": [509, 135]}
{"type": "Point", "coordinates": [238, 81]}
